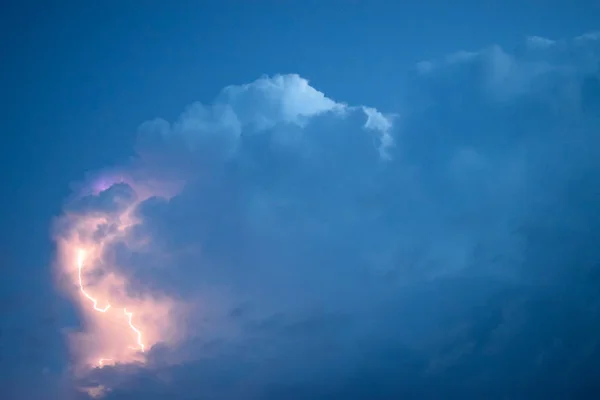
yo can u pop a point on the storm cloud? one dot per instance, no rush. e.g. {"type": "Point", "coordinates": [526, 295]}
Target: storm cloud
{"type": "Point", "coordinates": [314, 249]}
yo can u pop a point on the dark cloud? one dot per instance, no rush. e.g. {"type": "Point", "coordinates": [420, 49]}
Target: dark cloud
{"type": "Point", "coordinates": [449, 251]}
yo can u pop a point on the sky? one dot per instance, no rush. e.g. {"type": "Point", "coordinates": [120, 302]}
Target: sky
{"type": "Point", "coordinates": [300, 200]}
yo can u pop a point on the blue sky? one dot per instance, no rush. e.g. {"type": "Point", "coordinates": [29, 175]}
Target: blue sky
{"type": "Point", "coordinates": [334, 261]}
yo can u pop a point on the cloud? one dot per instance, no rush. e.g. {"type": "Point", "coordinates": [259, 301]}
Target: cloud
{"type": "Point", "coordinates": [299, 247]}
{"type": "Point", "coordinates": [112, 200]}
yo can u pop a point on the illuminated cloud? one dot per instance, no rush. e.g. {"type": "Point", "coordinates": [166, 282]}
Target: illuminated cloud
{"type": "Point", "coordinates": [278, 243]}
{"type": "Point", "coordinates": [127, 239]}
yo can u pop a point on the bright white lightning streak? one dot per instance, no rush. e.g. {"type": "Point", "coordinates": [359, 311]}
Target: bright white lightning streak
{"type": "Point", "coordinates": [80, 256]}
{"type": "Point", "coordinates": [138, 333]}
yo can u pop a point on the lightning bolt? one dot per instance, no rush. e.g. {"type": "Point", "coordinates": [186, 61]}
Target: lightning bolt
{"type": "Point", "coordinates": [129, 315]}
{"type": "Point", "coordinates": [133, 328]}
{"type": "Point", "coordinates": [80, 258]}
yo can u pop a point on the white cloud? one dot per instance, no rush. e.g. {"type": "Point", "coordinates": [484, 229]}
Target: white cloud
{"type": "Point", "coordinates": [535, 70]}
{"type": "Point", "coordinates": [282, 98]}
{"type": "Point", "coordinates": [213, 132]}
{"type": "Point", "coordinates": [537, 42]}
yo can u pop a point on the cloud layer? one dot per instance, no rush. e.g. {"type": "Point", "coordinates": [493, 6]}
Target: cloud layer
{"type": "Point", "coordinates": [280, 244]}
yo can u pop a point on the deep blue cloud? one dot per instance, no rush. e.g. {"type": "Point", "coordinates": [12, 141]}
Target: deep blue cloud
{"type": "Point", "coordinates": [448, 249]}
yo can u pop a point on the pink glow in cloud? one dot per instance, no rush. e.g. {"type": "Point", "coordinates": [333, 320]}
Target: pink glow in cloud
{"type": "Point", "coordinates": [119, 326]}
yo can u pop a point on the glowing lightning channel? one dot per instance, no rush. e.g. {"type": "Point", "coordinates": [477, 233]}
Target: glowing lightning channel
{"type": "Point", "coordinates": [138, 333]}
{"type": "Point", "coordinates": [80, 256]}
{"type": "Point", "coordinates": [141, 346]}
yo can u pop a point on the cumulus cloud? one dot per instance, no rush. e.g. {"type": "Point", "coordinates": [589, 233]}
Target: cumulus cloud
{"type": "Point", "coordinates": [299, 247]}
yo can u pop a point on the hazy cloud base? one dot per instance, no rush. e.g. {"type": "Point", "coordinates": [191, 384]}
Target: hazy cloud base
{"type": "Point", "coordinates": [335, 251]}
